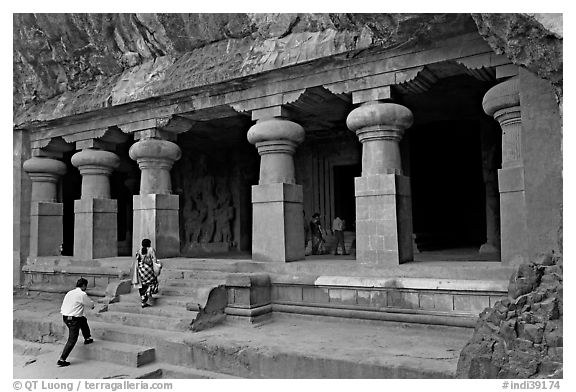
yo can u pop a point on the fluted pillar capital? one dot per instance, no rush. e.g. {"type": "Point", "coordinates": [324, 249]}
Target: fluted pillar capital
{"type": "Point", "coordinates": [503, 96]}
{"type": "Point", "coordinates": [503, 103]}
{"type": "Point", "coordinates": [95, 166]}
{"type": "Point", "coordinates": [276, 140]}
{"type": "Point", "coordinates": [149, 151]}
{"type": "Point", "coordinates": [379, 120]}
{"type": "Point", "coordinates": [44, 173]}
{"type": "Point", "coordinates": [95, 162]}
{"type": "Point", "coordinates": [155, 157]}
{"type": "Point", "coordinates": [380, 127]}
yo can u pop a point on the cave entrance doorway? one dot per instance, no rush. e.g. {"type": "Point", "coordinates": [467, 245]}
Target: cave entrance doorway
{"type": "Point", "coordinates": [344, 195]}
{"type": "Point", "coordinates": [453, 154]}
{"type": "Point", "coordinates": [448, 210]}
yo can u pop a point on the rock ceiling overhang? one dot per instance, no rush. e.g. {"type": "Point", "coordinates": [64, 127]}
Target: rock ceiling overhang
{"type": "Point", "coordinates": [245, 62]}
{"type": "Point", "coordinates": [67, 64]}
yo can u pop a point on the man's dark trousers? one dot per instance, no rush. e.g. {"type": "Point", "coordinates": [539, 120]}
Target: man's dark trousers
{"type": "Point", "coordinates": [339, 234]}
{"type": "Point", "coordinates": [75, 325]}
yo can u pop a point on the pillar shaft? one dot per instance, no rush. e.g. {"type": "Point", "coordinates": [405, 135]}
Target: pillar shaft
{"type": "Point", "coordinates": [95, 214]}
{"type": "Point", "coordinates": [503, 103]}
{"type": "Point", "coordinates": [277, 220]}
{"type": "Point", "coordinates": [155, 209]}
{"type": "Point", "coordinates": [46, 230]}
{"type": "Point", "coordinates": [276, 162]}
{"type": "Point", "coordinates": [490, 162]}
{"type": "Point", "coordinates": [383, 201]}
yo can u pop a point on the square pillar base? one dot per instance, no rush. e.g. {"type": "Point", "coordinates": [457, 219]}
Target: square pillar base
{"type": "Point", "coordinates": [46, 229]}
{"type": "Point", "coordinates": [156, 218]}
{"type": "Point", "coordinates": [513, 223]}
{"type": "Point", "coordinates": [383, 219]}
{"type": "Point", "coordinates": [95, 228]}
{"type": "Point", "coordinates": [277, 222]}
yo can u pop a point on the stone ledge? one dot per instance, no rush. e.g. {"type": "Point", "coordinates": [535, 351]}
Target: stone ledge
{"type": "Point", "coordinates": [414, 283]}
{"type": "Point", "coordinates": [76, 270]}
{"type": "Point", "coordinates": [247, 280]}
{"type": "Point", "coordinates": [420, 318]}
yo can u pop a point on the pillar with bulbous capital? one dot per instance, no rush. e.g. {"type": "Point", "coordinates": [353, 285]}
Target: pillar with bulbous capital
{"type": "Point", "coordinates": [155, 208]}
{"type": "Point", "coordinates": [503, 103]}
{"type": "Point", "coordinates": [46, 230]}
{"type": "Point", "coordinates": [95, 213]}
{"type": "Point", "coordinates": [277, 217]}
{"type": "Point", "coordinates": [383, 201]}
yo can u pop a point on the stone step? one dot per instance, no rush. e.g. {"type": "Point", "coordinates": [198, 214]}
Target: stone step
{"type": "Point", "coordinates": [201, 264]}
{"type": "Point", "coordinates": [177, 274]}
{"type": "Point", "coordinates": [148, 320]}
{"type": "Point", "coordinates": [246, 352]}
{"type": "Point", "coordinates": [115, 352]}
{"type": "Point", "coordinates": [170, 300]}
{"type": "Point", "coordinates": [158, 310]}
{"type": "Point", "coordinates": [194, 293]}
{"type": "Point", "coordinates": [183, 372]}
{"type": "Point", "coordinates": [61, 289]}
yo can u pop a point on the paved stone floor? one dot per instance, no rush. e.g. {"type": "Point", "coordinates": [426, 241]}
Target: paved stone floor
{"type": "Point", "coordinates": [426, 350]}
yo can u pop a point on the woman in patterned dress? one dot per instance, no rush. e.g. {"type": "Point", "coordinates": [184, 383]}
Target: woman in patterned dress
{"type": "Point", "coordinates": [145, 279]}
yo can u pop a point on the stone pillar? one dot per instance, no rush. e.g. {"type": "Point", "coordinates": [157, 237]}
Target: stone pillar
{"type": "Point", "coordinates": [46, 230]}
{"type": "Point", "coordinates": [503, 103]}
{"type": "Point", "coordinates": [155, 208]}
{"type": "Point", "coordinates": [277, 221]}
{"type": "Point", "coordinates": [490, 163]}
{"type": "Point", "coordinates": [95, 214]}
{"type": "Point", "coordinates": [383, 201]}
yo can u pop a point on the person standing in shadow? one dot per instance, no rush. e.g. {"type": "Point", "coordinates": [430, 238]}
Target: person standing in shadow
{"type": "Point", "coordinates": [338, 230]}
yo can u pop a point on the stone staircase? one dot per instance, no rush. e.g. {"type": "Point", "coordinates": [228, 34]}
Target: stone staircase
{"type": "Point", "coordinates": [192, 297]}
{"type": "Point", "coordinates": [160, 341]}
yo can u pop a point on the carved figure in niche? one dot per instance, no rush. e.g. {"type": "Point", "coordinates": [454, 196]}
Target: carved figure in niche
{"type": "Point", "coordinates": [209, 224]}
{"type": "Point", "coordinates": [225, 211]}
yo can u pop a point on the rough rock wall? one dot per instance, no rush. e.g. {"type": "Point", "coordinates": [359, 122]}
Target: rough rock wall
{"type": "Point", "coordinates": [534, 41]}
{"type": "Point", "coordinates": [58, 54]}
{"type": "Point", "coordinates": [521, 336]}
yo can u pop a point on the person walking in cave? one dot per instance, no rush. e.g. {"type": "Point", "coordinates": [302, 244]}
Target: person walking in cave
{"type": "Point", "coordinates": [317, 233]}
{"type": "Point", "coordinates": [144, 274]}
{"type": "Point", "coordinates": [72, 310]}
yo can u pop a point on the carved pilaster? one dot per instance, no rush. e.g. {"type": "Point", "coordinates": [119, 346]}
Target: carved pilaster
{"type": "Point", "coordinates": [503, 103]}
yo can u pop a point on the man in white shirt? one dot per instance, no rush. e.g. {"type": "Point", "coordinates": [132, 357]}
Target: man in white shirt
{"type": "Point", "coordinates": [338, 230]}
{"type": "Point", "coordinates": [73, 315]}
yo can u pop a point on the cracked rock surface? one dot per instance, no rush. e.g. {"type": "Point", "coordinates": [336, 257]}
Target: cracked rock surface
{"type": "Point", "coordinates": [522, 335]}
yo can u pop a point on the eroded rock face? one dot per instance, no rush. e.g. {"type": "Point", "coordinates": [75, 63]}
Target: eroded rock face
{"type": "Point", "coordinates": [531, 40]}
{"type": "Point", "coordinates": [55, 54]}
{"type": "Point", "coordinates": [521, 336]}
{"type": "Point", "coordinates": [100, 60]}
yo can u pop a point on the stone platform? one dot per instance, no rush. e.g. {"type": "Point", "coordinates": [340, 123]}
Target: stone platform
{"type": "Point", "coordinates": [324, 317]}
{"type": "Point", "coordinates": [429, 292]}
{"type": "Point", "coordinates": [284, 347]}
